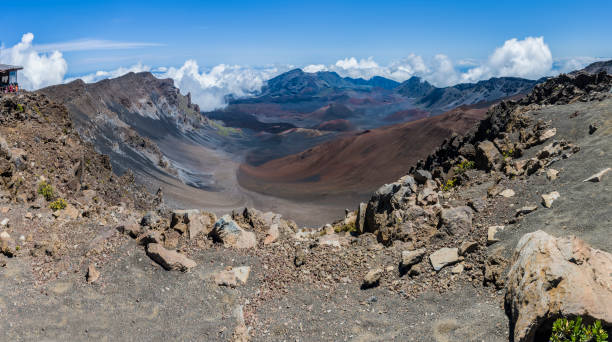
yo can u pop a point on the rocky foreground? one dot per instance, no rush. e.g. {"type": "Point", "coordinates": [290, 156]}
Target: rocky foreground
{"type": "Point", "coordinates": [491, 238]}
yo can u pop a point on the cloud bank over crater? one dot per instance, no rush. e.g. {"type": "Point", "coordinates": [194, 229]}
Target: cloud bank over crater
{"type": "Point", "coordinates": [210, 88]}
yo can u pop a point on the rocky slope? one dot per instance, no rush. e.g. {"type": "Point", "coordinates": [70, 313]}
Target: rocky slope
{"type": "Point", "coordinates": [473, 244]}
{"type": "Point", "coordinates": [122, 115]}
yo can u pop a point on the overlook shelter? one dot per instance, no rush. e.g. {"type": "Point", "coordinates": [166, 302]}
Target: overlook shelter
{"type": "Point", "coordinates": [8, 78]}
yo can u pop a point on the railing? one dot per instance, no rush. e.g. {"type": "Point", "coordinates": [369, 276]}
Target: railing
{"type": "Point", "coordinates": [11, 88]}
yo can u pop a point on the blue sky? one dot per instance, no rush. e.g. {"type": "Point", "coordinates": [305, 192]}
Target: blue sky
{"type": "Point", "coordinates": [213, 49]}
{"type": "Point", "coordinates": [268, 32]}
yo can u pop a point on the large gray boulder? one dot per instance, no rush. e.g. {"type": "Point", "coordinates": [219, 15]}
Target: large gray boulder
{"type": "Point", "coordinates": [230, 234]}
{"type": "Point", "coordinates": [456, 221]}
{"type": "Point", "coordinates": [553, 277]}
{"type": "Point", "coordinates": [488, 156]}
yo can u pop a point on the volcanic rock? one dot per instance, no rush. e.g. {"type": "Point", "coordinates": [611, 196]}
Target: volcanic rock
{"type": "Point", "coordinates": [230, 234]}
{"type": "Point", "coordinates": [170, 260]}
{"type": "Point", "coordinates": [556, 277]}
{"type": "Point", "coordinates": [456, 221]}
{"type": "Point", "coordinates": [488, 156]}
{"type": "Point", "coordinates": [444, 257]}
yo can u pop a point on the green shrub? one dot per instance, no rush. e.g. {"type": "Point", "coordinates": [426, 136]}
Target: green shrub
{"type": "Point", "coordinates": [464, 166]}
{"type": "Point", "coordinates": [350, 228]}
{"type": "Point", "coordinates": [450, 183]}
{"type": "Point", "coordinates": [508, 154]}
{"type": "Point", "coordinates": [46, 190]}
{"type": "Point", "coordinates": [565, 330]}
{"type": "Point", "coordinates": [20, 107]}
{"type": "Point", "coordinates": [58, 204]}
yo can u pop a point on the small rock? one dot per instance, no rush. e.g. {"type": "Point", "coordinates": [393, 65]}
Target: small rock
{"type": "Point", "coordinates": [526, 210]}
{"type": "Point", "coordinates": [549, 133]}
{"type": "Point", "coordinates": [507, 193]}
{"type": "Point", "coordinates": [593, 127]}
{"type": "Point", "coordinates": [4, 222]}
{"type": "Point", "coordinates": [149, 219]}
{"type": "Point", "coordinates": [170, 260]}
{"type": "Point", "coordinates": [478, 204]}
{"type": "Point", "coordinates": [548, 199]}
{"type": "Point", "coordinates": [131, 229]}
{"type": "Point", "coordinates": [233, 277]}
{"type": "Point", "coordinates": [467, 247]}
{"type": "Point", "coordinates": [491, 234]}
{"type": "Point", "coordinates": [444, 257]}
{"type": "Point", "coordinates": [597, 177]}
{"type": "Point", "coordinates": [272, 234]}
{"type": "Point", "coordinates": [92, 273]}
{"type": "Point", "coordinates": [457, 269]}
{"type": "Point", "coordinates": [372, 278]}
{"type": "Point", "coordinates": [551, 174]}
{"type": "Point", "coordinates": [299, 259]}
{"type": "Point", "coordinates": [410, 258]}
{"type": "Point", "coordinates": [152, 236]}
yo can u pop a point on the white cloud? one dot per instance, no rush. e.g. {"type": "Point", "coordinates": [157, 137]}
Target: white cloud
{"type": "Point", "coordinates": [528, 58]}
{"type": "Point", "coordinates": [101, 74]}
{"type": "Point", "coordinates": [314, 68]}
{"type": "Point", "coordinates": [565, 65]}
{"type": "Point", "coordinates": [92, 44]}
{"type": "Point", "coordinates": [40, 69]}
{"type": "Point", "coordinates": [209, 88]}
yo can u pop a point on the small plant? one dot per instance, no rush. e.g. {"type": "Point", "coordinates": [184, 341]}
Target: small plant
{"type": "Point", "coordinates": [350, 228]}
{"type": "Point", "coordinates": [58, 204]}
{"type": "Point", "coordinates": [20, 107]}
{"type": "Point", "coordinates": [508, 154]}
{"type": "Point", "coordinates": [565, 330]}
{"type": "Point", "coordinates": [46, 190]}
{"type": "Point", "coordinates": [464, 166]}
{"type": "Point", "coordinates": [450, 183]}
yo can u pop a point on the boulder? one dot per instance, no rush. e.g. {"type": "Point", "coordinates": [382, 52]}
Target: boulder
{"type": "Point", "coordinates": [230, 234]}
{"type": "Point", "coordinates": [410, 258]}
{"type": "Point", "coordinates": [551, 174]}
{"type": "Point", "coordinates": [131, 229]}
{"type": "Point", "coordinates": [507, 193]}
{"type": "Point", "coordinates": [20, 158]}
{"type": "Point", "coordinates": [556, 277]}
{"type": "Point", "coordinates": [421, 176]}
{"type": "Point", "coordinates": [467, 247]}
{"type": "Point", "coordinates": [598, 176]}
{"type": "Point", "coordinates": [192, 221]}
{"type": "Point", "coordinates": [548, 199]}
{"type": "Point", "coordinates": [372, 278]}
{"type": "Point", "coordinates": [233, 276]}
{"type": "Point", "coordinates": [492, 234]}
{"type": "Point", "coordinates": [168, 259]}
{"type": "Point", "coordinates": [272, 234]}
{"type": "Point", "coordinates": [488, 156]}
{"type": "Point", "coordinates": [478, 204]}
{"type": "Point", "coordinates": [444, 257]}
{"type": "Point", "coordinates": [360, 222]}
{"type": "Point", "coordinates": [494, 267]}
{"type": "Point", "coordinates": [526, 210]}
{"type": "Point", "coordinates": [456, 221]}
{"type": "Point", "coordinates": [547, 134]}
{"type": "Point", "coordinates": [150, 219]}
